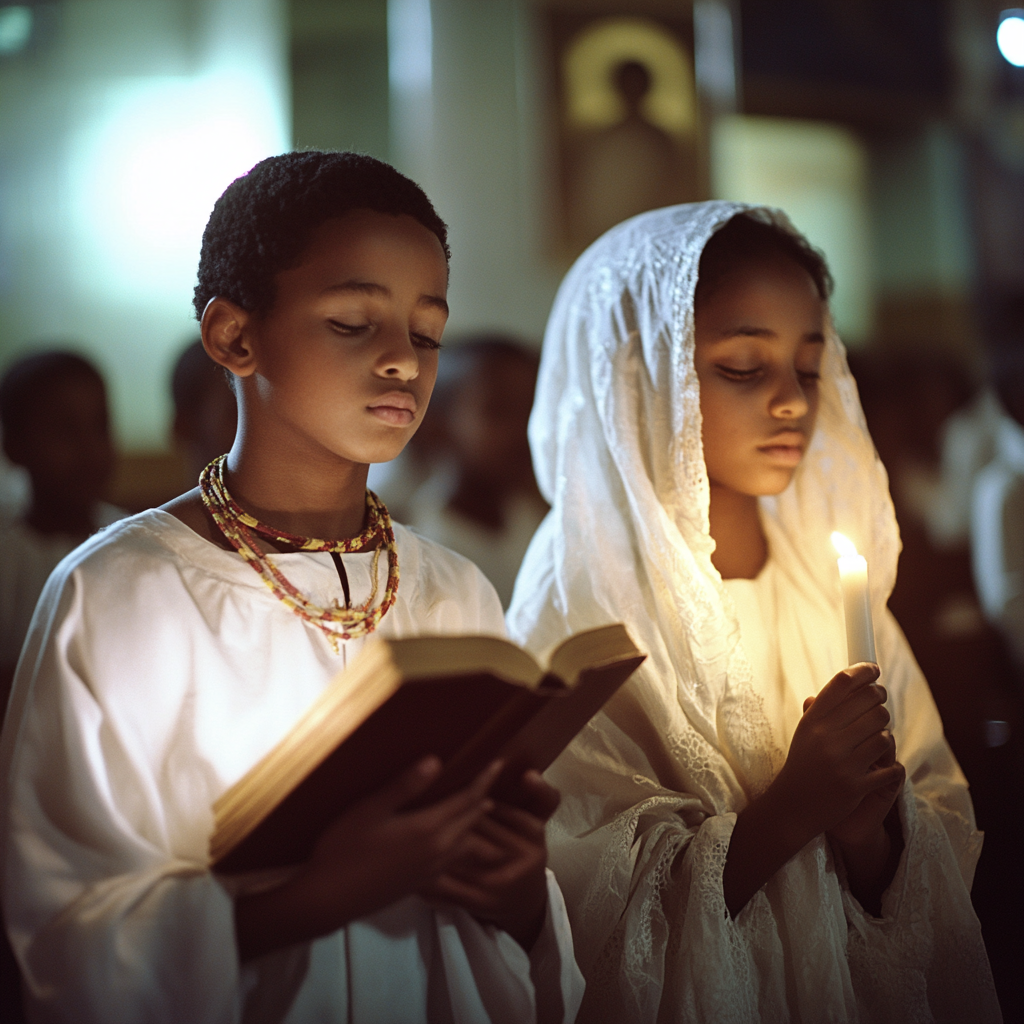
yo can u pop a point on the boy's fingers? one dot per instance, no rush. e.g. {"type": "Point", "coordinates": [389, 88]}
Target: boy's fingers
{"type": "Point", "coordinates": [477, 848]}
{"type": "Point", "coordinates": [407, 786]}
{"type": "Point", "coordinates": [449, 830]}
{"type": "Point", "coordinates": [454, 890]}
{"type": "Point", "coordinates": [456, 805]}
{"type": "Point", "coordinates": [508, 823]}
{"type": "Point", "coordinates": [808, 701]}
{"type": "Point", "coordinates": [532, 792]}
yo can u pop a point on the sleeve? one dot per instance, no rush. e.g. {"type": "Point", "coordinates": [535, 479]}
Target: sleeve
{"type": "Point", "coordinates": [639, 849]}
{"type": "Point", "coordinates": [641, 867]}
{"type": "Point", "coordinates": [491, 978]}
{"type": "Point", "coordinates": [107, 923]}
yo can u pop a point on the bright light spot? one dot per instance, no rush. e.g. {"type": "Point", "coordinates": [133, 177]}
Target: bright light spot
{"type": "Point", "coordinates": [15, 28]}
{"type": "Point", "coordinates": [410, 45]}
{"type": "Point", "coordinates": [1010, 37]}
{"type": "Point", "coordinates": [150, 176]}
{"type": "Point", "coordinates": [844, 546]}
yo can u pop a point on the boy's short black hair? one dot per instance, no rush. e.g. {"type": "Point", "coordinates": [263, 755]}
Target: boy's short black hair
{"type": "Point", "coordinates": [263, 222]}
{"type": "Point", "coordinates": [745, 240]}
{"type": "Point", "coordinates": [27, 379]}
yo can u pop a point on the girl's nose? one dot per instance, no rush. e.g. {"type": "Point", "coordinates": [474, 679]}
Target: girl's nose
{"type": "Point", "coordinates": [790, 399]}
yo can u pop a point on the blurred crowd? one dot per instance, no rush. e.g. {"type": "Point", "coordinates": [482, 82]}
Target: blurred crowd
{"type": "Point", "coordinates": [953, 445]}
{"type": "Point", "coordinates": [952, 440]}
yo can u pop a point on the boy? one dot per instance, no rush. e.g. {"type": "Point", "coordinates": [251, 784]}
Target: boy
{"type": "Point", "coordinates": [162, 669]}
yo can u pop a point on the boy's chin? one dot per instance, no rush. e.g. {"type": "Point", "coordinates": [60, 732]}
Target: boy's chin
{"type": "Point", "coordinates": [370, 453]}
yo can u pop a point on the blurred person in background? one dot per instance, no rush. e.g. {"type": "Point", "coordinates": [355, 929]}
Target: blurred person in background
{"type": "Point", "coordinates": [997, 508]}
{"type": "Point", "coordinates": [482, 500]}
{"type": "Point", "coordinates": [53, 413]}
{"type": "Point", "coordinates": [205, 413]}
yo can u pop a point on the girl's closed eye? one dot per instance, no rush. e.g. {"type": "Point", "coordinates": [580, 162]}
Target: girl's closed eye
{"type": "Point", "coordinates": [737, 372]}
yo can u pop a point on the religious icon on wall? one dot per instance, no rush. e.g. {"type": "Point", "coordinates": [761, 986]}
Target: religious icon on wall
{"type": "Point", "coordinates": [629, 136]}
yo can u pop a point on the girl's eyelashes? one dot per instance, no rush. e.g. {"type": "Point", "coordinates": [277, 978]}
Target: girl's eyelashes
{"type": "Point", "coordinates": [734, 373]}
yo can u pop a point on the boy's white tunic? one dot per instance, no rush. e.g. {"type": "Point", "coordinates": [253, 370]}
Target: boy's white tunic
{"type": "Point", "coordinates": [652, 787]}
{"type": "Point", "coordinates": [158, 670]}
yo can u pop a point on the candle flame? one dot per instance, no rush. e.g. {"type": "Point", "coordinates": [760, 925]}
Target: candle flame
{"type": "Point", "coordinates": [845, 546]}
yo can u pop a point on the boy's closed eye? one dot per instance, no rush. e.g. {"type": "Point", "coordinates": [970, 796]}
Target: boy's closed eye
{"type": "Point", "coordinates": [351, 330]}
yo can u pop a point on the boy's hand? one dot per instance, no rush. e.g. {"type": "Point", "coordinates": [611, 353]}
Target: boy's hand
{"type": "Point", "coordinates": [371, 856]}
{"type": "Point", "coordinates": [837, 744]}
{"type": "Point", "coordinates": [499, 874]}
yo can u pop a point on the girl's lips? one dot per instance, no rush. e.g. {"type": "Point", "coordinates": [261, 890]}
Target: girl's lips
{"type": "Point", "coordinates": [783, 454]}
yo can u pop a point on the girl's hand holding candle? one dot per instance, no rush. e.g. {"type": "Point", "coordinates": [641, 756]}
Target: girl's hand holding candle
{"type": "Point", "coordinates": [853, 577]}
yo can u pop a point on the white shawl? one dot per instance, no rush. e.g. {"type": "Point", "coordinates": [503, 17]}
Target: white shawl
{"type": "Point", "coordinates": [652, 787]}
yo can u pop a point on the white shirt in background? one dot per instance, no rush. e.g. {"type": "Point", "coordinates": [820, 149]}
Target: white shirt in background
{"type": "Point", "coordinates": [497, 553]}
{"type": "Point", "coordinates": [997, 536]}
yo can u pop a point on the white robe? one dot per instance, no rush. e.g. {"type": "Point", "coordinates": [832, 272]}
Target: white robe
{"type": "Point", "coordinates": [652, 787]}
{"type": "Point", "coordinates": [158, 669]}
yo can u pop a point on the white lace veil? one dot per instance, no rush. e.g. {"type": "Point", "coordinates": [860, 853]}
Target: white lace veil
{"type": "Point", "coordinates": [616, 440]}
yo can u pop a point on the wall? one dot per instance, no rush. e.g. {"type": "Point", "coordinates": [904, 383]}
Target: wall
{"type": "Point", "coordinates": [121, 125]}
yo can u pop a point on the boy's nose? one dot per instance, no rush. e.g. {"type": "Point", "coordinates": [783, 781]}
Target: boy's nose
{"type": "Point", "coordinates": [399, 357]}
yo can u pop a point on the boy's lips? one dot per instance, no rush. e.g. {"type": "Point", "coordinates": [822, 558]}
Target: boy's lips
{"type": "Point", "coordinates": [396, 407]}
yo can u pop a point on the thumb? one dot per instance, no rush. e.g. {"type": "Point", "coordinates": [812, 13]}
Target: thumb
{"type": "Point", "coordinates": [807, 704]}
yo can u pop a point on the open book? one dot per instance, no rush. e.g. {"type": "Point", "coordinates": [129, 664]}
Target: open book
{"type": "Point", "coordinates": [467, 699]}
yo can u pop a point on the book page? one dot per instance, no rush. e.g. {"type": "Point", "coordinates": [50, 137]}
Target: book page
{"type": "Point", "coordinates": [591, 649]}
{"type": "Point", "coordinates": [424, 657]}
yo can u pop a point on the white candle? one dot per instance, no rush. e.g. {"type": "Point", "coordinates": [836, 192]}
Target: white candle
{"type": "Point", "coordinates": [853, 577]}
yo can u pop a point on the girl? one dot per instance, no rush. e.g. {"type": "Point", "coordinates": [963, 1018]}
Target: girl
{"type": "Point", "coordinates": [735, 841]}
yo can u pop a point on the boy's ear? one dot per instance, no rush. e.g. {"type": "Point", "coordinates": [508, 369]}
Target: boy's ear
{"type": "Point", "coordinates": [227, 329]}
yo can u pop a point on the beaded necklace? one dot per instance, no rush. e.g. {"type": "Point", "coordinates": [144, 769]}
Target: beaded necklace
{"type": "Point", "coordinates": [241, 530]}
